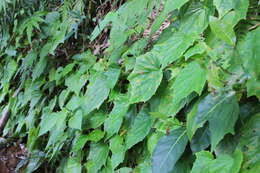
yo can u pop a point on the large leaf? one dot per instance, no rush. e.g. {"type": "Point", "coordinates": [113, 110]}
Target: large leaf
{"type": "Point", "coordinates": [179, 91]}
{"type": "Point", "coordinates": [205, 163]}
{"type": "Point", "coordinates": [249, 53]}
{"type": "Point", "coordinates": [168, 150]}
{"type": "Point", "coordinates": [140, 129]}
{"type": "Point", "coordinates": [145, 78]}
{"type": "Point", "coordinates": [220, 111]}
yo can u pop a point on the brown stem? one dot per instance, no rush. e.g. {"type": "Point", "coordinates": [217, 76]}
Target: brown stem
{"type": "Point", "coordinates": [4, 118]}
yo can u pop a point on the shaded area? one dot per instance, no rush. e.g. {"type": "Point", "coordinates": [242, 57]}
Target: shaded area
{"type": "Point", "coordinates": [11, 153]}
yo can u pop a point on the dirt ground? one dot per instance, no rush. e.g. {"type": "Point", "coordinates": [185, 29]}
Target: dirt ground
{"type": "Point", "coordinates": [11, 153]}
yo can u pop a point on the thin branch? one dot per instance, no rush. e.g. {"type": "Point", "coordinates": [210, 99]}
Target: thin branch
{"type": "Point", "coordinates": [4, 118]}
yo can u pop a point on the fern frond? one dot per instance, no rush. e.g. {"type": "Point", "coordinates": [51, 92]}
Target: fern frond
{"type": "Point", "coordinates": [31, 23]}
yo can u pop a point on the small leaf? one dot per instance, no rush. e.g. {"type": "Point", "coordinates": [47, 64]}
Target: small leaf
{"type": "Point", "coordinates": [95, 136]}
{"type": "Point", "coordinates": [199, 48]}
{"type": "Point", "coordinates": [118, 150]}
{"type": "Point", "coordinates": [95, 120]}
{"type": "Point", "coordinates": [62, 97]}
{"type": "Point", "coordinates": [76, 120]}
{"type": "Point", "coordinates": [75, 82]}
{"type": "Point", "coordinates": [115, 119]}
{"type": "Point", "coordinates": [168, 150]}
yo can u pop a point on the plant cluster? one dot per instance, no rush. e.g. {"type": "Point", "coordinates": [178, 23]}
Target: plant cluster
{"type": "Point", "coordinates": [100, 86]}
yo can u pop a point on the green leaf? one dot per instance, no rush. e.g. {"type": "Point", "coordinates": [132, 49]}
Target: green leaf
{"type": "Point", "coordinates": [223, 28]}
{"type": "Point", "coordinates": [223, 6]}
{"type": "Point", "coordinates": [173, 48]}
{"type": "Point", "coordinates": [169, 6]}
{"type": "Point", "coordinates": [209, 109]}
{"type": "Point", "coordinates": [180, 90]}
{"type": "Point", "coordinates": [30, 23]}
{"type": "Point", "coordinates": [168, 150]}
{"type": "Point", "coordinates": [39, 68]}
{"type": "Point", "coordinates": [74, 103]}
{"type": "Point", "coordinates": [115, 119]}
{"type": "Point", "coordinates": [182, 166]}
{"type": "Point", "coordinates": [76, 120]}
{"type": "Point", "coordinates": [239, 6]}
{"type": "Point", "coordinates": [75, 82]}
{"type": "Point", "coordinates": [125, 170]}
{"type": "Point", "coordinates": [253, 87]}
{"type": "Point", "coordinates": [201, 140]}
{"type": "Point", "coordinates": [250, 142]}
{"type": "Point", "coordinates": [196, 19]}
{"type": "Point", "coordinates": [62, 97]}
{"type": "Point", "coordinates": [97, 157]}
{"type": "Point", "coordinates": [95, 120]}
{"type": "Point", "coordinates": [95, 136]}
{"type": "Point", "coordinates": [9, 71]}
{"type": "Point", "coordinates": [198, 48]}
{"type": "Point", "coordinates": [98, 29]}
{"type": "Point", "coordinates": [99, 88]}
{"type": "Point", "coordinates": [140, 129]}
{"type": "Point", "coordinates": [205, 163]}
{"type": "Point", "coordinates": [145, 78]}
{"type": "Point", "coordinates": [49, 120]}
{"type": "Point", "coordinates": [118, 149]}
{"type": "Point", "coordinates": [191, 78]}
{"type": "Point", "coordinates": [249, 53]}
{"type": "Point", "coordinates": [73, 165]}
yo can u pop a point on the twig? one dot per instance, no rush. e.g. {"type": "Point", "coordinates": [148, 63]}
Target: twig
{"type": "Point", "coordinates": [4, 118]}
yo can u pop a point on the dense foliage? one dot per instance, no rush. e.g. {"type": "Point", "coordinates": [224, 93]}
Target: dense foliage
{"type": "Point", "coordinates": [162, 86]}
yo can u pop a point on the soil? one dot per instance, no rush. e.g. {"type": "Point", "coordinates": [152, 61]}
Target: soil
{"type": "Point", "coordinates": [11, 153]}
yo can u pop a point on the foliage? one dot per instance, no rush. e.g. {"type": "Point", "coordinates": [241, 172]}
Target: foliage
{"type": "Point", "coordinates": [176, 100]}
